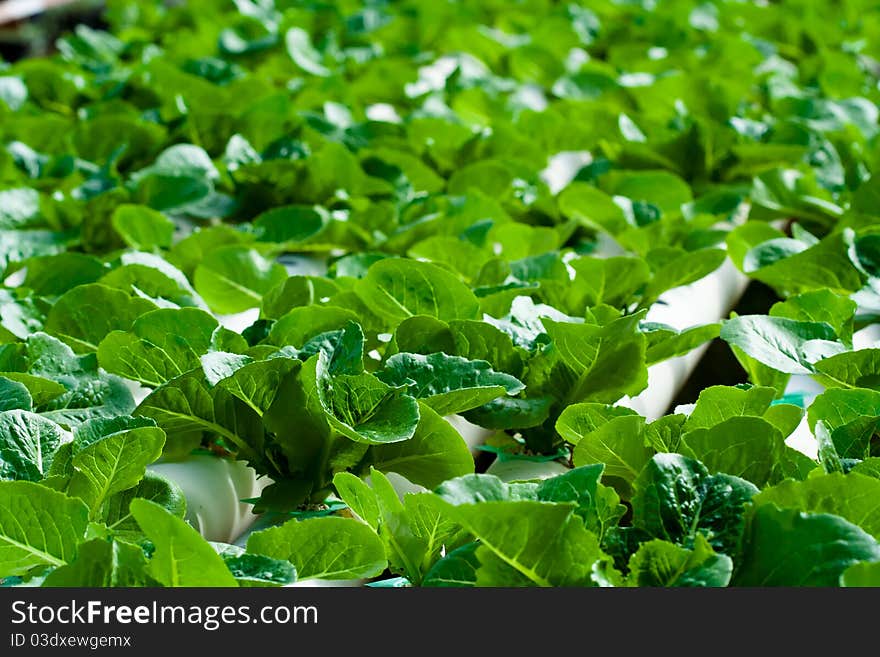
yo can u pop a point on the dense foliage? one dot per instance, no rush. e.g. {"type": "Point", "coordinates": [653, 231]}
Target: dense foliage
{"type": "Point", "coordinates": [427, 209]}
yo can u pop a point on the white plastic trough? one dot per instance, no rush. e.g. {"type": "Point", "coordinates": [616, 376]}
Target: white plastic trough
{"type": "Point", "coordinates": [214, 488]}
{"type": "Point", "coordinates": [705, 301]}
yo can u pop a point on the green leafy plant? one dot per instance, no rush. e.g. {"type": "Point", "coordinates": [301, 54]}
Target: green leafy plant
{"type": "Point", "coordinates": [321, 238]}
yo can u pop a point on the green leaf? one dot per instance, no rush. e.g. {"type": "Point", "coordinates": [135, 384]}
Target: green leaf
{"type": "Point", "coordinates": [102, 564]}
{"type": "Point", "coordinates": [458, 255]}
{"type": "Point", "coordinates": [148, 275]}
{"type": "Point", "coordinates": [448, 384]}
{"type": "Point", "coordinates": [190, 251]}
{"type": "Point", "coordinates": [110, 456]}
{"type": "Point", "coordinates": [79, 269]}
{"type": "Point", "coordinates": [359, 497]}
{"type": "Point", "coordinates": [664, 343]}
{"type": "Point", "coordinates": [850, 416]}
{"type": "Point", "coordinates": [771, 251]}
{"type": "Point", "coordinates": [83, 316]}
{"type": "Point", "coordinates": [577, 486]}
{"type": "Point", "coordinates": [477, 488]}
{"type": "Point", "coordinates": [660, 563]}
{"type": "Point", "coordinates": [863, 249]}
{"type": "Point", "coordinates": [387, 497]}
{"type": "Point", "coordinates": [294, 292]}
{"type": "Point", "coordinates": [142, 228]}
{"type": "Point", "coordinates": [85, 392]}
{"type": "Point", "coordinates": [160, 345]}
{"type": "Point", "coordinates": [185, 407]}
{"type": "Point", "coordinates": [27, 445]}
{"type": "Point", "coordinates": [38, 527]}
{"type": "Point", "coordinates": [785, 417]}
{"type": "Point", "coordinates": [256, 383]}
{"type": "Point", "coordinates": [419, 535]}
{"type": "Point", "coordinates": [415, 532]}
{"type": "Point", "coordinates": [598, 505]}
{"type": "Point", "coordinates": [620, 445]}
{"type": "Point", "coordinates": [19, 317]}
{"type": "Point", "coordinates": [525, 322]}
{"type": "Point", "coordinates": [852, 369]}
{"type": "Point", "coordinates": [291, 224]}
{"type": "Point", "coordinates": [827, 452]}
{"type": "Point", "coordinates": [18, 245]}
{"type": "Point", "coordinates": [664, 434]}
{"type": "Point", "coordinates": [598, 363]}
{"type": "Point", "coordinates": [676, 499]}
{"type": "Point", "coordinates": [344, 348]}
{"type": "Point", "coordinates": [820, 306]}
{"type": "Point", "coordinates": [116, 511]}
{"type": "Point", "coordinates": [303, 434]}
{"type": "Point", "coordinates": [364, 409]}
{"type": "Point", "coordinates": [456, 569]}
{"type": "Point", "coordinates": [579, 420]}
{"type": "Point", "coordinates": [717, 404]}
{"type": "Point", "coordinates": [184, 159]}
{"type": "Point", "coordinates": [14, 396]}
{"type": "Point", "coordinates": [323, 548]}
{"type": "Point", "coordinates": [299, 325]}
{"type": "Point", "coordinates": [511, 413]}
{"type": "Point", "coordinates": [862, 574]}
{"type": "Point", "coordinates": [779, 193]}
{"type": "Point", "coordinates": [613, 280]}
{"type": "Point", "coordinates": [171, 192]}
{"type": "Point", "coordinates": [784, 344]}
{"type": "Point", "coordinates": [435, 453]}
{"type": "Point", "coordinates": [232, 279]}
{"type": "Point", "coordinates": [592, 207]}
{"type": "Point", "coordinates": [682, 270]}
{"type": "Point", "coordinates": [790, 548]}
{"type": "Point", "coordinates": [181, 557]}
{"type": "Point", "coordinates": [853, 497]}
{"type": "Point", "coordinates": [396, 289]}
{"type": "Point", "coordinates": [219, 365]}
{"type": "Point", "coordinates": [746, 447]}
{"type": "Point", "coordinates": [525, 543]}
{"type": "Point", "coordinates": [822, 266]}
{"type": "Point", "coordinates": [661, 188]}
{"type": "Point", "coordinates": [254, 570]}
{"type": "Point", "coordinates": [478, 340]}
{"type": "Point", "coordinates": [869, 467]}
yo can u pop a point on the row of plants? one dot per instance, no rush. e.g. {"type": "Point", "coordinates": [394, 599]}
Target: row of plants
{"type": "Point", "coordinates": [156, 177]}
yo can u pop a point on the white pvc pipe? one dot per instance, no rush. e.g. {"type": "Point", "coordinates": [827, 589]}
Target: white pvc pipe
{"type": "Point", "coordinates": [214, 488]}
{"type": "Point", "coordinates": [702, 302]}
{"type": "Point", "coordinates": [473, 434]}
{"type": "Point", "coordinates": [16, 10]}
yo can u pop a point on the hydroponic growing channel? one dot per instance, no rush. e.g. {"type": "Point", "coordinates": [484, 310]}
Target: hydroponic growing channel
{"type": "Point", "coordinates": [403, 294]}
